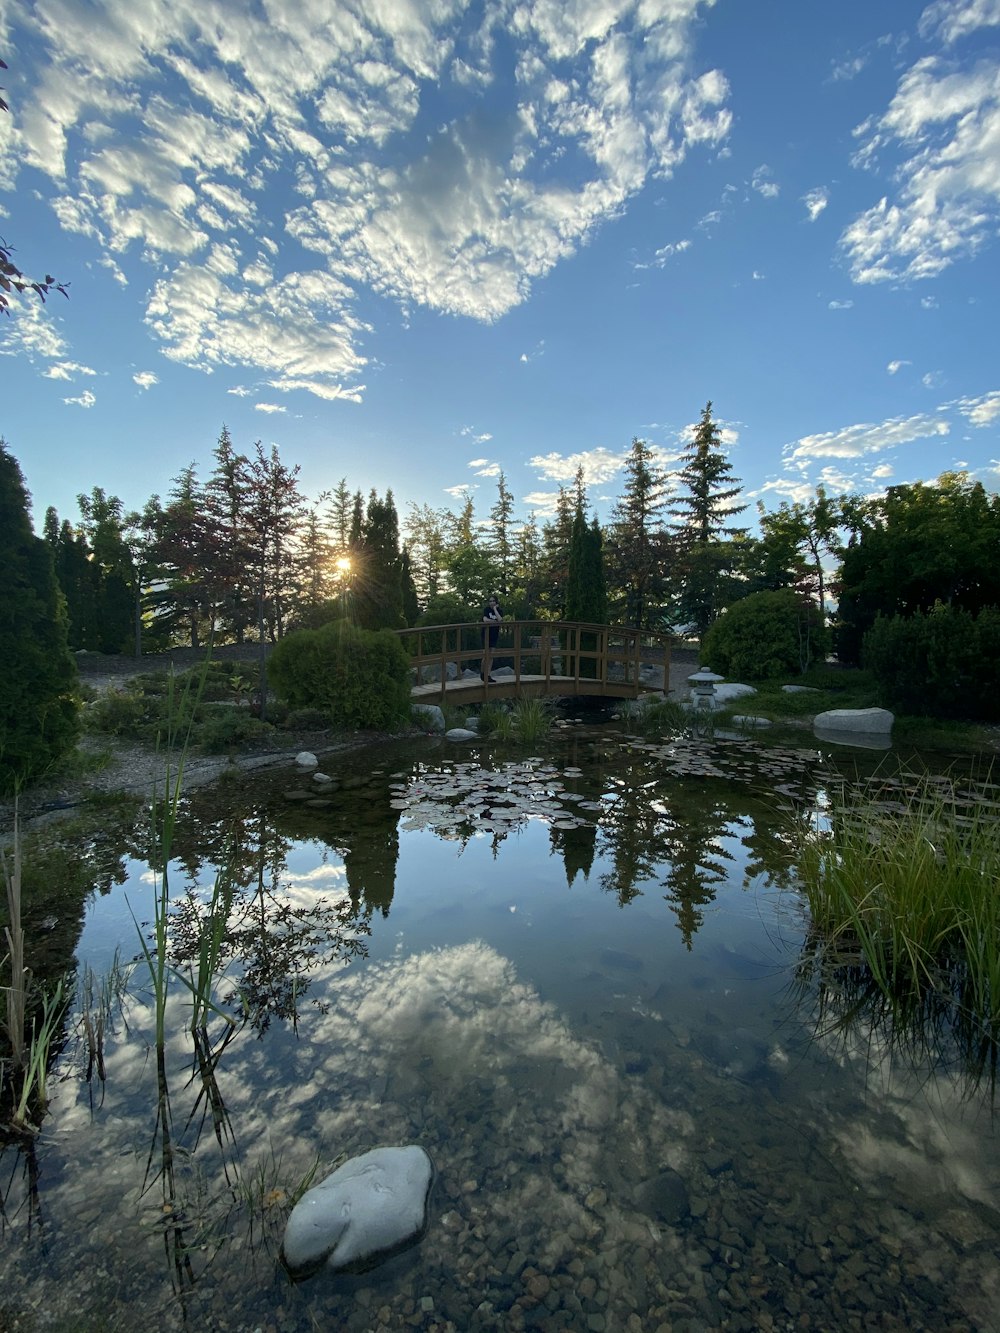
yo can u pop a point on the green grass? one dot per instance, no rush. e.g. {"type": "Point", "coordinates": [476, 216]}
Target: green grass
{"type": "Point", "coordinates": [902, 887]}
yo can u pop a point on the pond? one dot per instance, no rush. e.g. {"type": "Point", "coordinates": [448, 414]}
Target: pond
{"type": "Point", "coordinates": [579, 979]}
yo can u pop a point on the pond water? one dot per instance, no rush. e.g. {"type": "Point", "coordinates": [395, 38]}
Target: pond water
{"type": "Point", "coordinates": [576, 978]}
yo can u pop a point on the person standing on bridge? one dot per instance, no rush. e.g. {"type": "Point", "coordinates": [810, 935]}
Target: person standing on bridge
{"type": "Point", "coordinates": [492, 616]}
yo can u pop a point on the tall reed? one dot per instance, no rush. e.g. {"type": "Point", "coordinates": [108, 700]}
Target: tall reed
{"type": "Point", "coordinates": [912, 889]}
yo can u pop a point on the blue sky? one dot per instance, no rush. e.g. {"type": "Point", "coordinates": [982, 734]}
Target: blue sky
{"type": "Point", "coordinates": [413, 242]}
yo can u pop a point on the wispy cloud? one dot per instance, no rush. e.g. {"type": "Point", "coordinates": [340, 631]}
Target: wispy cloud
{"type": "Point", "coordinates": [867, 438]}
{"type": "Point", "coordinates": [761, 182]}
{"type": "Point", "coordinates": [269, 408]}
{"type": "Point", "coordinates": [815, 201]}
{"type": "Point", "coordinates": [66, 370]}
{"type": "Point", "coordinates": [146, 379]}
{"type": "Point", "coordinates": [895, 366]}
{"type": "Point", "coordinates": [981, 411]}
{"type": "Point", "coordinates": [939, 138]}
{"type": "Point", "coordinates": [840, 305]}
{"type": "Point", "coordinates": [85, 399]}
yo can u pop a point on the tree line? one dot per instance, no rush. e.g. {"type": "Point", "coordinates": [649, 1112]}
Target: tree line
{"type": "Point", "coordinates": [244, 555]}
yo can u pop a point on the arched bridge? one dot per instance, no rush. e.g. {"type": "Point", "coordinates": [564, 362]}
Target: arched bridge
{"type": "Point", "coordinates": [535, 657]}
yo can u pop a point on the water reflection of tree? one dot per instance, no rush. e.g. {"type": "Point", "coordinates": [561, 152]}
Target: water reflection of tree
{"type": "Point", "coordinates": [273, 944]}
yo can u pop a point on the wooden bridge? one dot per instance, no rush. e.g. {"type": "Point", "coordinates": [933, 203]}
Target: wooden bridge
{"type": "Point", "coordinates": [536, 657]}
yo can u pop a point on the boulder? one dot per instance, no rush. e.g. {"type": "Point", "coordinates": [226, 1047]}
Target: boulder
{"type": "Point", "coordinates": [726, 692]}
{"type": "Point", "coordinates": [306, 759]}
{"type": "Point", "coordinates": [322, 779]}
{"type": "Point", "coordinates": [868, 721]}
{"type": "Point", "coordinates": [371, 1207]}
{"type": "Point", "coordinates": [429, 716]}
{"type": "Point", "coordinates": [460, 734]}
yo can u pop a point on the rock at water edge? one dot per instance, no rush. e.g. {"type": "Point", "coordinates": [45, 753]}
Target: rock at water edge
{"type": "Point", "coordinates": [368, 1209]}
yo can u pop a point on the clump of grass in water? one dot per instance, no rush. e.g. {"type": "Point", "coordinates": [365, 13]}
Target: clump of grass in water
{"type": "Point", "coordinates": [666, 717]}
{"type": "Point", "coordinates": [909, 890]}
{"type": "Point", "coordinates": [29, 1057]}
{"type": "Point", "coordinates": [531, 719]}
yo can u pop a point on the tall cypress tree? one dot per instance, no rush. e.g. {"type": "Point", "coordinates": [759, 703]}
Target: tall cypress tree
{"type": "Point", "coordinates": [39, 719]}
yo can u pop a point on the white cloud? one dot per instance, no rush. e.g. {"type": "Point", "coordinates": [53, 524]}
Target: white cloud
{"type": "Point", "coordinates": [815, 201]}
{"type": "Point", "coordinates": [542, 503]}
{"type": "Point", "coordinates": [146, 379]}
{"type": "Point", "coordinates": [953, 20]}
{"type": "Point", "coordinates": [240, 391]}
{"type": "Point", "coordinates": [840, 305]}
{"type": "Point", "coordinates": [895, 366]}
{"type": "Point", "coordinates": [762, 183]}
{"type": "Point", "coordinates": [758, 277]}
{"type": "Point", "coordinates": [487, 469]}
{"type": "Point", "coordinates": [931, 379]}
{"type": "Point", "coordinates": [867, 438]}
{"type": "Point", "coordinates": [477, 437]}
{"type": "Point", "coordinates": [31, 331]}
{"type": "Point", "coordinates": [663, 255]}
{"type": "Point", "coordinates": [599, 465]}
{"type": "Point", "coordinates": [928, 302]}
{"type": "Point", "coordinates": [86, 399]}
{"type": "Point", "coordinates": [943, 125]}
{"type": "Point", "coordinates": [981, 411]}
{"type": "Point", "coordinates": [65, 370]}
{"type": "Point", "coordinates": [270, 408]}
{"type": "Point", "coordinates": [164, 127]}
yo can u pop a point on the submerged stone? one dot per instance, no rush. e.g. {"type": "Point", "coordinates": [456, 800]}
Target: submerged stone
{"type": "Point", "coordinates": [368, 1209]}
{"type": "Point", "coordinates": [664, 1197]}
{"type": "Point", "coordinates": [460, 734]}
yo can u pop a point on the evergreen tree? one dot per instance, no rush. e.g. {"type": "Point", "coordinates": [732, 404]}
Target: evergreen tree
{"type": "Point", "coordinates": [316, 571]}
{"type": "Point", "coordinates": [377, 581]}
{"type": "Point", "coordinates": [556, 538]}
{"type": "Point", "coordinates": [227, 497]}
{"type": "Point", "coordinates": [703, 508]}
{"type": "Point", "coordinates": [181, 603]}
{"type": "Point", "coordinates": [637, 545]}
{"type": "Point", "coordinates": [103, 525]}
{"type": "Point", "coordinates": [501, 538]}
{"type": "Point", "coordinates": [77, 576]}
{"type": "Point", "coordinates": [338, 517]}
{"type": "Point", "coordinates": [586, 589]}
{"type": "Point", "coordinates": [39, 720]}
{"type": "Point", "coordinates": [274, 517]}
{"type": "Point", "coordinates": [411, 603]}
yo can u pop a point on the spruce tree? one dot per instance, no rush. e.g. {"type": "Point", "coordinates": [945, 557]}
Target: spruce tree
{"type": "Point", "coordinates": [637, 544]}
{"type": "Point", "coordinates": [39, 719]}
{"type": "Point", "coordinates": [703, 508]}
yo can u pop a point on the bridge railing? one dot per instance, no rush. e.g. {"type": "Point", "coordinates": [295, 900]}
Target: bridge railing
{"type": "Point", "coordinates": [561, 651]}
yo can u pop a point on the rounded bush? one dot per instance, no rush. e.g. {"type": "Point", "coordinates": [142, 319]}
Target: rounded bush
{"type": "Point", "coordinates": [942, 664]}
{"type": "Point", "coordinates": [358, 678]}
{"type": "Point", "coordinates": [766, 635]}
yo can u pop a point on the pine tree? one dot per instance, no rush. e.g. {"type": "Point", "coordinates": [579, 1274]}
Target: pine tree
{"type": "Point", "coordinates": [637, 542]}
{"type": "Point", "coordinates": [586, 589]}
{"type": "Point", "coordinates": [703, 509]}
{"type": "Point", "coordinates": [184, 555]}
{"type": "Point", "coordinates": [39, 718]}
{"type": "Point", "coordinates": [501, 541]}
{"type": "Point", "coordinates": [556, 539]}
{"type": "Point", "coordinates": [227, 496]}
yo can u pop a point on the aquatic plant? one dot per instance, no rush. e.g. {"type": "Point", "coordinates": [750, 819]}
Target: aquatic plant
{"type": "Point", "coordinates": [531, 719]}
{"type": "Point", "coordinates": [666, 717]}
{"type": "Point", "coordinates": [902, 879]}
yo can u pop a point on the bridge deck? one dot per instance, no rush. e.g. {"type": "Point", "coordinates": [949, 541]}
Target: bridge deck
{"type": "Point", "coordinates": [553, 658]}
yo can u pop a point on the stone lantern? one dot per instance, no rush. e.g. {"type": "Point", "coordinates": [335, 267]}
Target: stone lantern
{"type": "Point", "coordinates": [703, 684]}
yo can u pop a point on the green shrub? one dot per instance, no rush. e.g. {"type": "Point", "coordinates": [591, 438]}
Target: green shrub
{"type": "Point", "coordinates": [120, 713]}
{"type": "Point", "coordinates": [943, 664]}
{"type": "Point", "coordinates": [766, 635]}
{"type": "Point", "coordinates": [357, 677]}
{"type": "Point", "coordinates": [231, 729]}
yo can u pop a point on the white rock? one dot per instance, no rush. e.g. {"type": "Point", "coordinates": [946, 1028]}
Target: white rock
{"type": "Point", "coordinates": [306, 759]}
{"type": "Point", "coordinates": [870, 721]}
{"type": "Point", "coordinates": [322, 779]}
{"type": "Point", "coordinates": [460, 734]}
{"type": "Point", "coordinates": [725, 692]}
{"type": "Point", "coordinates": [369, 1208]}
{"type": "Point", "coordinates": [429, 716]}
